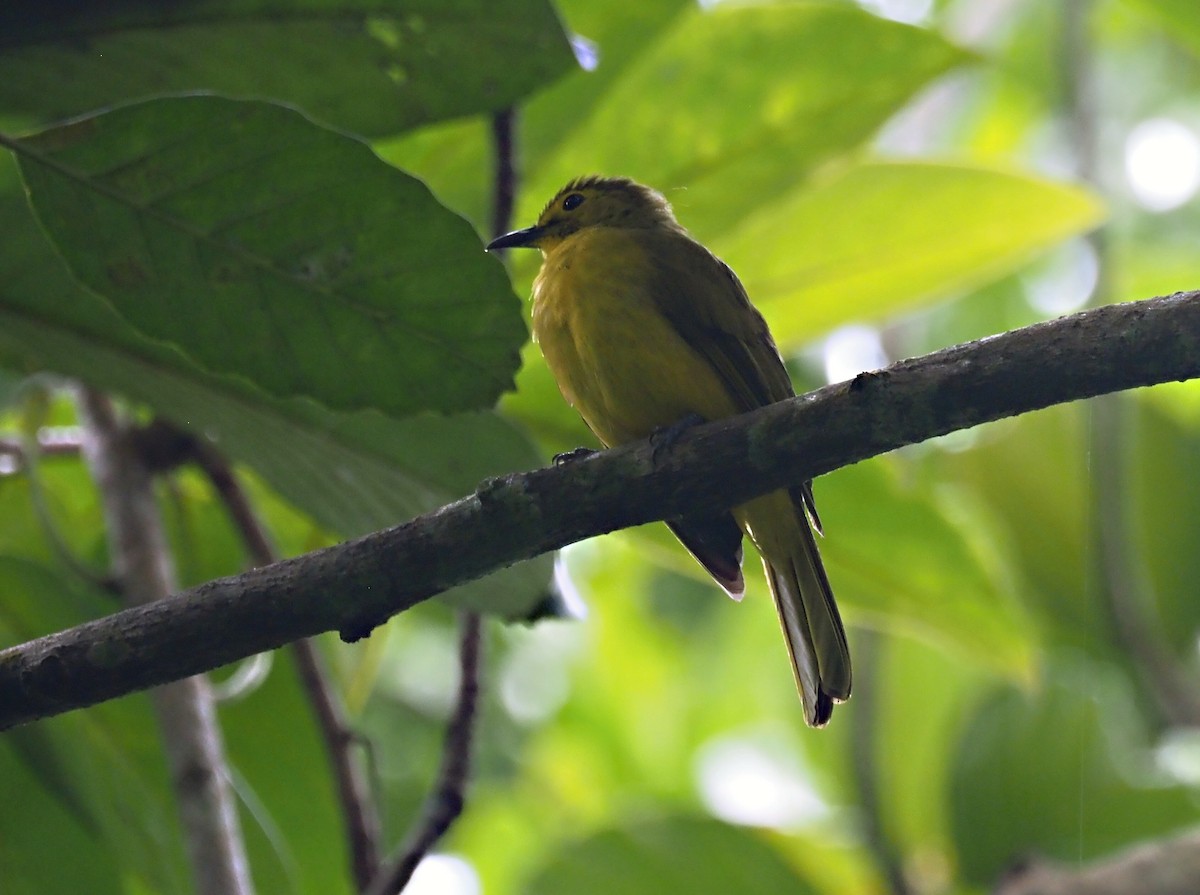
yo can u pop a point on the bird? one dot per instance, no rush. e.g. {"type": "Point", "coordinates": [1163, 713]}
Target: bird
{"type": "Point", "coordinates": [644, 328]}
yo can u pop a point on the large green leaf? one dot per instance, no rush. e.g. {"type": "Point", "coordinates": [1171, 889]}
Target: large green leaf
{"type": "Point", "coordinates": [878, 239]}
{"type": "Point", "coordinates": [912, 759]}
{"type": "Point", "coordinates": [696, 855]}
{"type": "Point", "coordinates": [1163, 516]}
{"type": "Point", "coordinates": [617, 35]}
{"type": "Point", "coordinates": [80, 778]}
{"type": "Point", "coordinates": [1030, 476]}
{"type": "Point", "coordinates": [1061, 773]}
{"type": "Point", "coordinates": [455, 158]}
{"type": "Point", "coordinates": [370, 66]}
{"type": "Point", "coordinates": [270, 248]}
{"type": "Point", "coordinates": [34, 838]}
{"type": "Point", "coordinates": [294, 833]}
{"type": "Point", "coordinates": [352, 472]}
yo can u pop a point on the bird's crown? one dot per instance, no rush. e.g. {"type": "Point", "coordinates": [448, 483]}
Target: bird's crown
{"type": "Point", "coordinates": [596, 201]}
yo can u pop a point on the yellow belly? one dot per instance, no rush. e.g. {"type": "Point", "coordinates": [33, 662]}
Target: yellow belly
{"type": "Point", "coordinates": [616, 358]}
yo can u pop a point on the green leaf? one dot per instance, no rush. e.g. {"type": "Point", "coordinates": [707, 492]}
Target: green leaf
{"type": "Point", "coordinates": [1164, 508]}
{"type": "Point", "coordinates": [901, 561]}
{"type": "Point", "coordinates": [1028, 474]}
{"type": "Point", "coordinates": [1069, 760]}
{"type": "Point", "coordinates": [352, 472]}
{"type": "Point", "coordinates": [743, 102]}
{"type": "Point", "coordinates": [913, 760]}
{"type": "Point", "coordinates": [696, 855]}
{"type": "Point", "coordinates": [83, 775]}
{"type": "Point", "coordinates": [455, 157]}
{"type": "Point", "coordinates": [879, 239]}
{"type": "Point", "coordinates": [1178, 19]}
{"type": "Point", "coordinates": [270, 248]}
{"type": "Point", "coordinates": [619, 34]}
{"type": "Point", "coordinates": [294, 834]}
{"type": "Point", "coordinates": [34, 839]}
{"type": "Point", "coordinates": [369, 66]}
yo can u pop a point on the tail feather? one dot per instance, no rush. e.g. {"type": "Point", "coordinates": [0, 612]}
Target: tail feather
{"type": "Point", "coordinates": [716, 543]}
{"type": "Point", "coordinates": [811, 623]}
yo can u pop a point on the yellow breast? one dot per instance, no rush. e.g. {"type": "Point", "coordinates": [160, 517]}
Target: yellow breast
{"type": "Point", "coordinates": [616, 358]}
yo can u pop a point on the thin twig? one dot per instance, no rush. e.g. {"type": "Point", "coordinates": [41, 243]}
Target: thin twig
{"type": "Point", "coordinates": [446, 801]}
{"type": "Point", "coordinates": [185, 709]}
{"type": "Point", "coordinates": [356, 585]}
{"type": "Point", "coordinates": [233, 497]}
{"type": "Point", "coordinates": [353, 787]}
{"type": "Point", "coordinates": [359, 814]}
{"type": "Point", "coordinates": [505, 188]}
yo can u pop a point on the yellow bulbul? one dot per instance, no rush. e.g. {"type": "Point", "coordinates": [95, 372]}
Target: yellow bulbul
{"type": "Point", "coordinates": [643, 327]}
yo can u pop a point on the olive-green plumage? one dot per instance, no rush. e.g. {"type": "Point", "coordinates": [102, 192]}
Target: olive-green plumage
{"type": "Point", "coordinates": [642, 327]}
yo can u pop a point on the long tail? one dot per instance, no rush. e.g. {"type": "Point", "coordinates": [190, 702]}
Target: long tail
{"type": "Point", "coordinates": [812, 626]}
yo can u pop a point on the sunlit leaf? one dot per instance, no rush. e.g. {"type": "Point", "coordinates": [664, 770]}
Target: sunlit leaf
{"type": "Point", "coordinates": [878, 239]}
{"type": "Point", "coordinates": [740, 103]}
{"type": "Point", "coordinates": [1031, 474]}
{"type": "Point", "coordinates": [920, 698]}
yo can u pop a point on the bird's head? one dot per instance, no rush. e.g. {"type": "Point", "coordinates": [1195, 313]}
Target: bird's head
{"type": "Point", "coordinates": [592, 202]}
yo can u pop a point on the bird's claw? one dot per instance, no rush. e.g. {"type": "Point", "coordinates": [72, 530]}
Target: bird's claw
{"type": "Point", "coordinates": [579, 453]}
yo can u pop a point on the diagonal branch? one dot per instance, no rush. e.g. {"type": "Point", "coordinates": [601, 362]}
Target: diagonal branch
{"type": "Point", "coordinates": [353, 789]}
{"type": "Point", "coordinates": [445, 802]}
{"type": "Point", "coordinates": [354, 586]}
{"type": "Point", "coordinates": [185, 709]}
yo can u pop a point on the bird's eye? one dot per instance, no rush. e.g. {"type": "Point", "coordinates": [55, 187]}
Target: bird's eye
{"type": "Point", "coordinates": [572, 201]}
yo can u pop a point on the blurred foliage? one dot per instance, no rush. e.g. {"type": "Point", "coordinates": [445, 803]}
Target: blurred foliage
{"type": "Point", "coordinates": [245, 266]}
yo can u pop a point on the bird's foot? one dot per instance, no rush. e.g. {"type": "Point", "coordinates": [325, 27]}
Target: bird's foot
{"type": "Point", "coordinates": [579, 453]}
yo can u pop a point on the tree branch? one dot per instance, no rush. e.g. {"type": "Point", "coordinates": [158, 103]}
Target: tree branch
{"type": "Point", "coordinates": [356, 585]}
{"type": "Point", "coordinates": [185, 709]}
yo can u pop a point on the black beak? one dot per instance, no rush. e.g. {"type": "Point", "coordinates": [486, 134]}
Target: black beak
{"type": "Point", "coordinates": [516, 239]}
